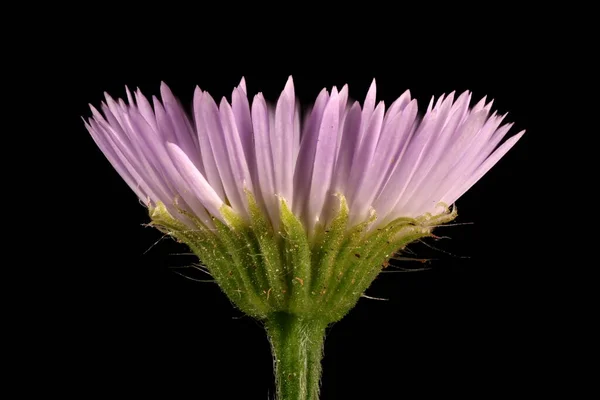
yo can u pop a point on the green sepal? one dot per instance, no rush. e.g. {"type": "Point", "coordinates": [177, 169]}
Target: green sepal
{"type": "Point", "coordinates": [270, 253]}
{"type": "Point", "coordinates": [327, 249]}
{"type": "Point", "coordinates": [298, 258]}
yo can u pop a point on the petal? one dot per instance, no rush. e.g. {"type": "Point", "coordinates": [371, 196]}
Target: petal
{"type": "Point", "coordinates": [296, 136]}
{"type": "Point", "coordinates": [210, 170]}
{"type": "Point", "coordinates": [129, 97]}
{"type": "Point", "coordinates": [186, 138]}
{"type": "Point", "coordinates": [264, 159]}
{"type": "Point", "coordinates": [243, 122]}
{"type": "Point", "coordinates": [112, 111]}
{"type": "Point", "coordinates": [163, 122]}
{"type": "Point", "coordinates": [479, 106]}
{"type": "Point", "coordinates": [242, 85]}
{"type": "Point", "coordinates": [282, 140]}
{"type": "Point", "coordinates": [196, 182]}
{"type": "Point", "coordinates": [397, 106]}
{"type": "Point", "coordinates": [237, 158]}
{"type": "Point", "coordinates": [347, 147]}
{"type": "Point", "coordinates": [364, 159]}
{"type": "Point", "coordinates": [306, 153]}
{"type": "Point", "coordinates": [343, 100]}
{"type": "Point", "coordinates": [324, 160]}
{"type": "Point", "coordinates": [367, 111]}
{"type": "Point", "coordinates": [216, 136]}
{"type": "Point", "coordinates": [456, 192]}
{"type": "Point", "coordinates": [144, 107]}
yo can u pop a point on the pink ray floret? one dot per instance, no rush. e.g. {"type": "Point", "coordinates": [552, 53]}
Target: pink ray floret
{"type": "Point", "coordinates": [394, 162]}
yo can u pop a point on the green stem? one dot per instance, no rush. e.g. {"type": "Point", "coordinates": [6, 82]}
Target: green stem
{"type": "Point", "coordinates": [297, 344]}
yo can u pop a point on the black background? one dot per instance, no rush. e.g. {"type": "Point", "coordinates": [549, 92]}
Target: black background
{"type": "Point", "coordinates": [127, 323]}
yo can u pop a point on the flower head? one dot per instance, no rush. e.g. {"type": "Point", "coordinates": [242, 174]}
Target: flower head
{"type": "Point", "coordinates": [314, 205]}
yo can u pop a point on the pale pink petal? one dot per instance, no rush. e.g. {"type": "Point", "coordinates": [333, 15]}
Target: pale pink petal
{"type": "Point", "coordinates": [216, 136]}
{"type": "Point", "coordinates": [264, 159]}
{"type": "Point", "coordinates": [196, 182]}
{"type": "Point", "coordinates": [347, 147]}
{"type": "Point", "coordinates": [303, 169]}
{"type": "Point", "coordinates": [237, 158]}
{"type": "Point", "coordinates": [209, 163]}
{"type": "Point", "coordinates": [324, 160]}
{"type": "Point", "coordinates": [456, 192]}
{"type": "Point", "coordinates": [363, 161]}
{"type": "Point", "coordinates": [282, 142]}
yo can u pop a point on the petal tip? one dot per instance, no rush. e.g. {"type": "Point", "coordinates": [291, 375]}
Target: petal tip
{"type": "Point", "coordinates": [242, 84]}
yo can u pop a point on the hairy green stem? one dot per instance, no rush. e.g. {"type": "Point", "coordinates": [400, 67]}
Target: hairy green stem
{"type": "Point", "coordinates": [297, 345]}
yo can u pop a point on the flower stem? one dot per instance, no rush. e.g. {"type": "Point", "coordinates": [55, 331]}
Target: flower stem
{"type": "Point", "coordinates": [297, 344]}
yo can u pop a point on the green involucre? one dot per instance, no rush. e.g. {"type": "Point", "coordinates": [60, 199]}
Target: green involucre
{"type": "Point", "coordinates": [265, 271]}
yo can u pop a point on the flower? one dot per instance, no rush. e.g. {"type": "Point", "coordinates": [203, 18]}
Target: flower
{"type": "Point", "coordinates": [295, 220]}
